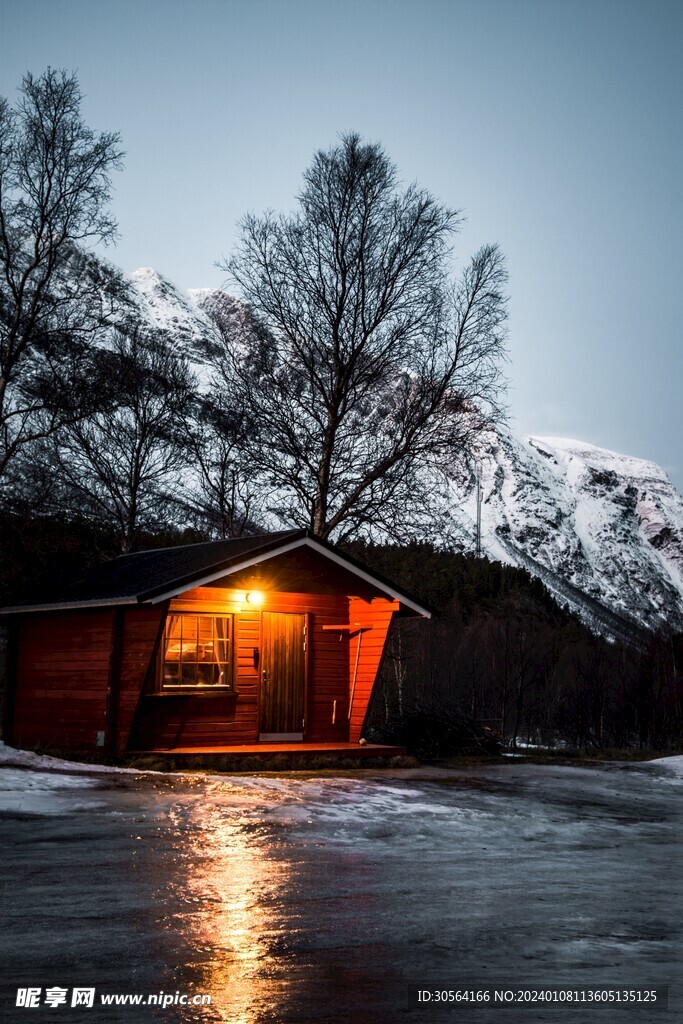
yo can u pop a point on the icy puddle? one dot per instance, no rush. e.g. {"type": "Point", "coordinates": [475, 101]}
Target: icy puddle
{"type": "Point", "coordinates": [297, 899]}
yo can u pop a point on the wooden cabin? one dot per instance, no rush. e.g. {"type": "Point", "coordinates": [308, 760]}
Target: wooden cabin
{"type": "Point", "coordinates": [274, 639]}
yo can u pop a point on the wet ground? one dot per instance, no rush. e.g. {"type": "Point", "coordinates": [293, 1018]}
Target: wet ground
{"type": "Point", "coordinates": [334, 899]}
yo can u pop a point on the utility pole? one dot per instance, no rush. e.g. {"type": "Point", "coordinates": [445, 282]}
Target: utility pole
{"type": "Point", "coordinates": [479, 497]}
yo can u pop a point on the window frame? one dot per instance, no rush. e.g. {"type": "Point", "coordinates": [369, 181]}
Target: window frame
{"type": "Point", "coordinates": [197, 688]}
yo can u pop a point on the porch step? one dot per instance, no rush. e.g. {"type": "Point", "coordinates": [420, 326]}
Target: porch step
{"type": "Point", "coordinates": [276, 750]}
{"type": "Point", "coordinates": [241, 756]}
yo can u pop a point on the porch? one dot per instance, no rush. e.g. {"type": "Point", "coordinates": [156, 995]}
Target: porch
{"type": "Point", "coordinates": [259, 756]}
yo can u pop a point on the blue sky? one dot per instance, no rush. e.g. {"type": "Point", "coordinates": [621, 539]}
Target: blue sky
{"type": "Point", "coordinates": [554, 124]}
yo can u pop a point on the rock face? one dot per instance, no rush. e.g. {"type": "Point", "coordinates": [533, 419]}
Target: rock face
{"type": "Point", "coordinates": [180, 314]}
{"type": "Point", "coordinates": [603, 531]}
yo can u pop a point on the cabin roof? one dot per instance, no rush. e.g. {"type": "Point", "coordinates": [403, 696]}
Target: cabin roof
{"type": "Point", "coordinates": [147, 577]}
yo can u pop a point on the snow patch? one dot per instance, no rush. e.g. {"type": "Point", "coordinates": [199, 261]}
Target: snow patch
{"type": "Point", "coordinates": [672, 764]}
{"type": "Point", "coordinates": [11, 757]}
{"type": "Point", "coordinates": [32, 792]}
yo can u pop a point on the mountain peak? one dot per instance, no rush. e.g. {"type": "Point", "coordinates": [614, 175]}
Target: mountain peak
{"type": "Point", "coordinates": [599, 458]}
{"type": "Point", "coordinates": [178, 313]}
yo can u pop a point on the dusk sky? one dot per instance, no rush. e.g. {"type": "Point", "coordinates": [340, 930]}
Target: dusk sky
{"type": "Point", "coordinates": [554, 124]}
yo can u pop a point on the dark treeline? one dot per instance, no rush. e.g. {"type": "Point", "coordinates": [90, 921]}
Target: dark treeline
{"type": "Point", "coordinates": [39, 552]}
{"type": "Point", "coordinates": [502, 655]}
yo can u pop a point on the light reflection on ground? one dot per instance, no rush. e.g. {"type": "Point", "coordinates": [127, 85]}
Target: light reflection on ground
{"type": "Point", "coordinates": [231, 887]}
{"type": "Point", "coordinates": [322, 899]}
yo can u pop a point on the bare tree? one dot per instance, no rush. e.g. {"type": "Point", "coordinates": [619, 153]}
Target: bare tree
{"type": "Point", "coordinates": [370, 371]}
{"type": "Point", "coordinates": [55, 183]}
{"type": "Point", "coordinates": [221, 495]}
{"type": "Point", "coordinates": [121, 466]}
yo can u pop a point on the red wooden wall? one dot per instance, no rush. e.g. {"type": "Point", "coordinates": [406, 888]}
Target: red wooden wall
{"type": "Point", "coordinates": [83, 672]}
{"type": "Point", "coordinates": [140, 633]}
{"type": "Point", "coordinates": [376, 615]}
{"type": "Point", "coordinates": [168, 720]}
{"type": "Point", "coordinates": [62, 675]}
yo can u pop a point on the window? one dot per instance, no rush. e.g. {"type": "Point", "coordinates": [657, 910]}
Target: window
{"type": "Point", "coordinates": [197, 651]}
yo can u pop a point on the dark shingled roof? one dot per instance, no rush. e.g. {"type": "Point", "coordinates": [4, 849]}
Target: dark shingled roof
{"type": "Point", "coordinates": [145, 575]}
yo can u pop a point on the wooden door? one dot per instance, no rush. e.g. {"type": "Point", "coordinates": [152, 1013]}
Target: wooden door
{"type": "Point", "coordinates": [283, 676]}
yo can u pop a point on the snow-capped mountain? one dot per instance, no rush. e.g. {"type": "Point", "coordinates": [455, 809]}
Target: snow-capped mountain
{"type": "Point", "coordinates": [180, 314]}
{"type": "Point", "coordinates": [603, 531]}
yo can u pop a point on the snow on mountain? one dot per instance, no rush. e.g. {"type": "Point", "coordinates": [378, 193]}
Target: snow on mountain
{"type": "Point", "coordinates": [180, 314]}
{"type": "Point", "coordinates": [604, 531]}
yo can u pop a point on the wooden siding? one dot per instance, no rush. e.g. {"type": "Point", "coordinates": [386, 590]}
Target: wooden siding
{"type": "Point", "coordinates": [328, 679]}
{"type": "Point", "coordinates": [165, 720]}
{"type": "Point", "coordinates": [302, 572]}
{"type": "Point", "coordinates": [83, 672]}
{"type": "Point", "coordinates": [328, 665]}
{"type": "Point", "coordinates": [62, 677]}
{"type": "Point", "coordinates": [377, 615]}
{"type": "Point", "coordinates": [141, 629]}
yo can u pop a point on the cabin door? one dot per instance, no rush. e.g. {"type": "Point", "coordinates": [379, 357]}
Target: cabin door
{"type": "Point", "coordinates": [283, 676]}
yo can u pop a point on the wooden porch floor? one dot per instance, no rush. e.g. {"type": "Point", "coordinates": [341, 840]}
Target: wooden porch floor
{"type": "Point", "coordinates": [290, 749]}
